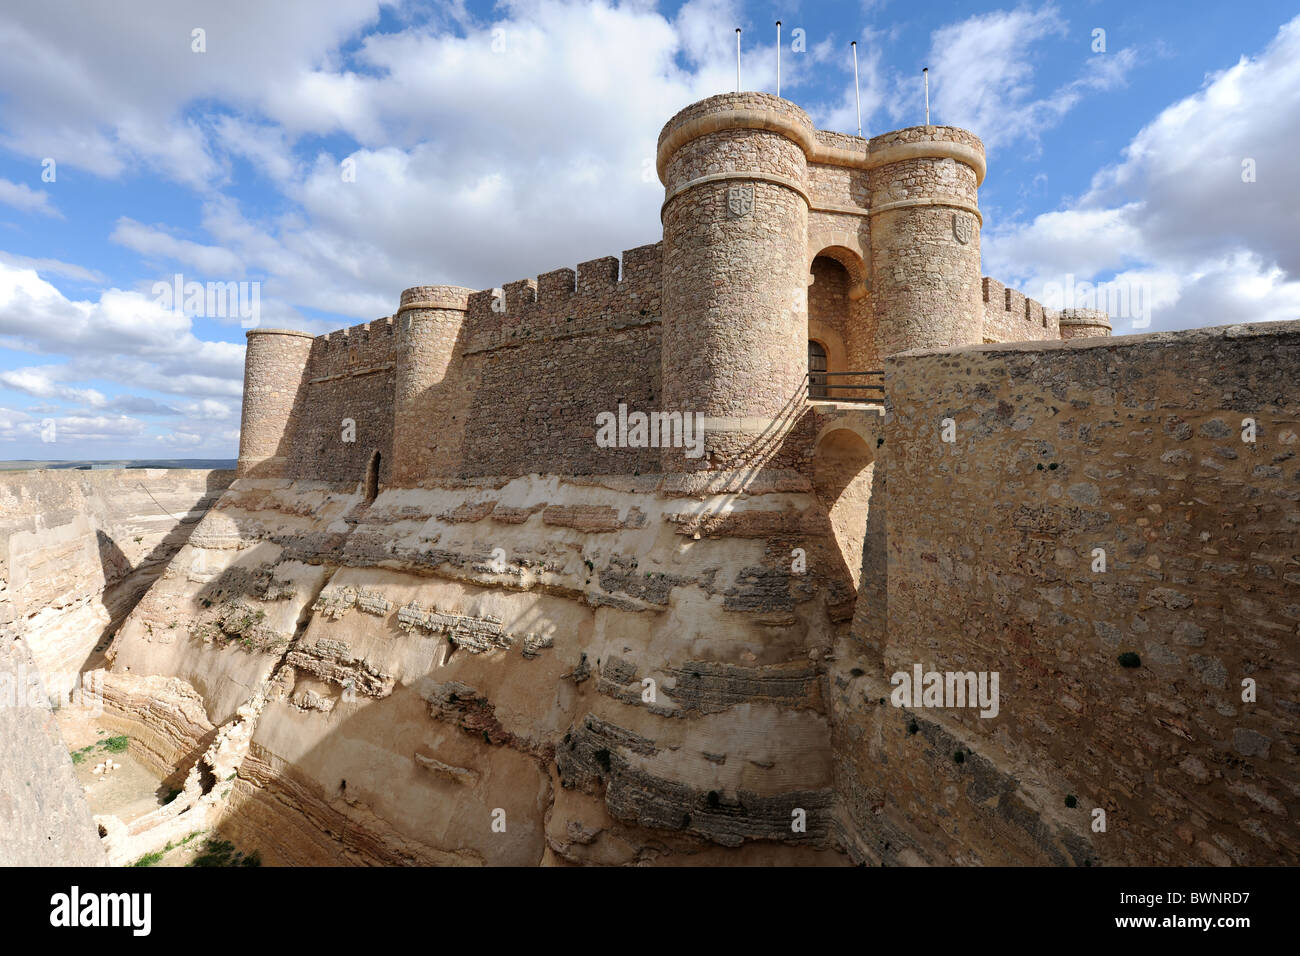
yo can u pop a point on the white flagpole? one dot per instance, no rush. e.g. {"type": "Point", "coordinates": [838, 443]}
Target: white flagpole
{"type": "Point", "coordinates": [857, 95]}
{"type": "Point", "coordinates": [737, 59]}
{"type": "Point", "coordinates": [926, 74]}
{"type": "Point", "coordinates": [778, 57]}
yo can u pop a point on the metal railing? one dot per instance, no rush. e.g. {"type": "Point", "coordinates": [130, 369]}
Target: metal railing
{"type": "Point", "coordinates": [820, 390]}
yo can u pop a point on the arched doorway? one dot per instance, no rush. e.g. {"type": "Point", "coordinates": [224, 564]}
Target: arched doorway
{"type": "Point", "coordinates": [840, 320]}
{"type": "Point", "coordinates": [828, 311]}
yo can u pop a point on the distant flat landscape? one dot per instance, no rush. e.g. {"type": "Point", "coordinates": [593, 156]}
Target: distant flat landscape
{"type": "Point", "coordinates": [32, 465]}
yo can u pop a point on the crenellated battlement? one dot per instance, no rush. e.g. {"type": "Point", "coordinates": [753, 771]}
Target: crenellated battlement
{"type": "Point", "coordinates": [594, 296]}
{"type": "Point", "coordinates": [1011, 316]}
{"type": "Point", "coordinates": [360, 335]}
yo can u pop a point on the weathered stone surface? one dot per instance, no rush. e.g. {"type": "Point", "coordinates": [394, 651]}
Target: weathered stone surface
{"type": "Point", "coordinates": [475, 634]}
{"type": "Point", "coordinates": [709, 686]}
{"type": "Point", "coordinates": [993, 543]}
{"type": "Point", "coordinates": [334, 661]}
{"type": "Point", "coordinates": [599, 754]}
{"type": "Point", "coordinates": [44, 818]}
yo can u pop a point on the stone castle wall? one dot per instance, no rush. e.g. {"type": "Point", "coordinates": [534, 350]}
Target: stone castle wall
{"type": "Point", "coordinates": [1084, 323]}
{"type": "Point", "coordinates": [925, 239]}
{"type": "Point", "coordinates": [1135, 447]}
{"type": "Point", "coordinates": [1010, 316]}
{"type": "Point", "coordinates": [498, 382]}
{"type": "Point", "coordinates": [275, 363]}
{"type": "Point", "coordinates": [565, 347]}
{"type": "Point", "coordinates": [350, 375]}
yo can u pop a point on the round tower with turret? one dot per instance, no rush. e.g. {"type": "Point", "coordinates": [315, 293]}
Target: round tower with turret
{"type": "Point", "coordinates": [275, 363]}
{"type": "Point", "coordinates": [426, 432]}
{"type": "Point", "coordinates": [735, 220]}
{"type": "Point", "coordinates": [925, 238]}
{"type": "Point", "coordinates": [1084, 323]}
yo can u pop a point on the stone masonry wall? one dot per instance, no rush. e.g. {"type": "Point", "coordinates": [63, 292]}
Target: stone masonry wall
{"type": "Point", "coordinates": [925, 244]}
{"type": "Point", "coordinates": [535, 373]}
{"type": "Point", "coordinates": [1010, 316]}
{"type": "Point", "coordinates": [426, 396]}
{"type": "Point", "coordinates": [735, 272]}
{"type": "Point", "coordinates": [513, 389]}
{"type": "Point", "coordinates": [350, 375]}
{"type": "Point", "coordinates": [1122, 687]}
{"type": "Point", "coordinates": [275, 364]}
{"type": "Point", "coordinates": [828, 302]}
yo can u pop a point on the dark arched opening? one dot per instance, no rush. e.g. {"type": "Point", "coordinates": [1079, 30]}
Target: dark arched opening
{"type": "Point", "coordinates": [372, 478]}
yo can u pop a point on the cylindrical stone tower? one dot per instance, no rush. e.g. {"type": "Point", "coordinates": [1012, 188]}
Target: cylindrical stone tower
{"type": "Point", "coordinates": [925, 238]}
{"type": "Point", "coordinates": [1084, 323]}
{"type": "Point", "coordinates": [275, 363]}
{"type": "Point", "coordinates": [735, 221]}
{"type": "Point", "coordinates": [428, 424]}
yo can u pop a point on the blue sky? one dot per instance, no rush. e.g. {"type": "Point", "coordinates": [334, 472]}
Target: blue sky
{"type": "Point", "coordinates": [493, 142]}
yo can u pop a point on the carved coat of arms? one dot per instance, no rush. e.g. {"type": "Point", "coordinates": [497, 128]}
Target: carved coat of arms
{"type": "Point", "coordinates": [740, 201]}
{"type": "Point", "coordinates": [961, 228]}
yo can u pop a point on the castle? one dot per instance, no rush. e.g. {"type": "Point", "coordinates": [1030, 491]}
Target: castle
{"type": "Point", "coordinates": [787, 251]}
{"type": "Point", "coordinates": [437, 619]}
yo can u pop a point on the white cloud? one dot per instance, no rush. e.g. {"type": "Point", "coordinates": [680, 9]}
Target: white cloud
{"type": "Point", "coordinates": [182, 440]}
{"type": "Point", "coordinates": [210, 410]}
{"type": "Point", "coordinates": [459, 177]}
{"type": "Point", "coordinates": [98, 427]}
{"type": "Point", "coordinates": [124, 336]}
{"type": "Point", "coordinates": [43, 382]}
{"type": "Point", "coordinates": [154, 242]}
{"type": "Point", "coordinates": [27, 199]}
{"type": "Point", "coordinates": [1175, 213]}
{"type": "Point", "coordinates": [103, 91]}
{"type": "Point", "coordinates": [52, 267]}
{"type": "Point", "coordinates": [982, 76]}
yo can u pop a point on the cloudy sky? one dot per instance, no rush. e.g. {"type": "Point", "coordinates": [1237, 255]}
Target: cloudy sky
{"type": "Point", "coordinates": [330, 155]}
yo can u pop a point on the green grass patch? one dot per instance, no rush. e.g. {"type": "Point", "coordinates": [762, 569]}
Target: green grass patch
{"type": "Point", "coordinates": [113, 745]}
{"type": "Point", "coordinates": [223, 853]}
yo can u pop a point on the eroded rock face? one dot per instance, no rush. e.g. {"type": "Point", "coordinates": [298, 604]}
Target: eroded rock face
{"type": "Point", "coordinates": [522, 673]}
{"type": "Point", "coordinates": [77, 550]}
